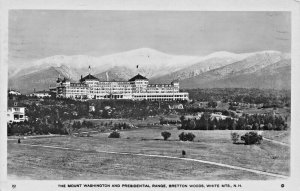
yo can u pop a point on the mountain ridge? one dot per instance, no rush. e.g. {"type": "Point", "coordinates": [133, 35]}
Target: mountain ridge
{"type": "Point", "coordinates": [158, 67]}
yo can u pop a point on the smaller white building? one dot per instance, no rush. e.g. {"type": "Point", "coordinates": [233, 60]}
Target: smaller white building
{"type": "Point", "coordinates": [176, 106]}
{"type": "Point", "coordinates": [41, 94]}
{"type": "Point", "coordinates": [13, 92]}
{"type": "Point", "coordinates": [92, 108]}
{"type": "Point", "coordinates": [15, 112]}
{"type": "Point", "coordinates": [218, 116]}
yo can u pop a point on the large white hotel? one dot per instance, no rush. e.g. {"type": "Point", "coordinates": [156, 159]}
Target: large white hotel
{"type": "Point", "coordinates": [137, 88]}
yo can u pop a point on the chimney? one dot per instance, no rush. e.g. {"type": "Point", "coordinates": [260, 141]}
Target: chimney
{"type": "Point", "coordinates": [33, 90]}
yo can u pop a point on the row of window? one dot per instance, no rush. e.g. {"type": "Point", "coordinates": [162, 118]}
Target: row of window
{"type": "Point", "coordinates": [76, 92]}
{"type": "Point", "coordinates": [141, 82]}
{"type": "Point", "coordinates": [115, 88]}
{"type": "Point", "coordinates": [108, 91]}
{"type": "Point", "coordinates": [161, 91]}
{"type": "Point", "coordinates": [15, 109]}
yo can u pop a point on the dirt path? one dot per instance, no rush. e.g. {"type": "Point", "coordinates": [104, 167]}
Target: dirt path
{"type": "Point", "coordinates": [276, 142]}
{"type": "Point", "coordinates": [169, 157]}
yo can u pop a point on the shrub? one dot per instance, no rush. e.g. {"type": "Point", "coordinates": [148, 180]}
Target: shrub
{"type": "Point", "coordinates": [87, 124]}
{"type": "Point", "coordinates": [182, 137]}
{"type": "Point", "coordinates": [235, 137]}
{"type": "Point", "coordinates": [190, 137]}
{"type": "Point", "coordinates": [251, 138]}
{"type": "Point", "coordinates": [114, 134]}
{"type": "Point", "coordinates": [186, 136]}
{"type": "Point", "coordinates": [166, 135]}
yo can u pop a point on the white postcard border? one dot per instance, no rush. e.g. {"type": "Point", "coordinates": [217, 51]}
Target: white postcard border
{"type": "Point", "coordinates": [163, 5]}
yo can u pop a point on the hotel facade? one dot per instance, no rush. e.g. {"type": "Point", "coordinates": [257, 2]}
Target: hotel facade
{"type": "Point", "coordinates": [137, 88]}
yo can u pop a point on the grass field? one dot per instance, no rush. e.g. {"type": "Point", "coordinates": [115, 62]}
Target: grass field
{"type": "Point", "coordinates": [91, 163]}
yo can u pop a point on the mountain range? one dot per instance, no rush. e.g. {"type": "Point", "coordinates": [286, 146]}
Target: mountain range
{"type": "Point", "coordinates": [264, 69]}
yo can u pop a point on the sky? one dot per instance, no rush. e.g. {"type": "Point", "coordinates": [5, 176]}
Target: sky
{"type": "Point", "coordinates": [36, 34]}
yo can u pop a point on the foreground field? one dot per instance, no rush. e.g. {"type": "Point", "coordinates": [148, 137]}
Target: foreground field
{"type": "Point", "coordinates": [90, 161]}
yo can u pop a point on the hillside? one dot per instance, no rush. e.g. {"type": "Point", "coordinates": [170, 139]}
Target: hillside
{"type": "Point", "coordinates": [39, 80]}
{"type": "Point", "coordinates": [273, 76]}
{"type": "Point", "coordinates": [207, 63]}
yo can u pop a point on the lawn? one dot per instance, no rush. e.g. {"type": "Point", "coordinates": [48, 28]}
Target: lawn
{"type": "Point", "coordinates": [91, 163]}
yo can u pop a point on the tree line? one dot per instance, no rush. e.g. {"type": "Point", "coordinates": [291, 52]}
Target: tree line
{"type": "Point", "coordinates": [247, 122]}
{"type": "Point", "coordinates": [269, 97]}
{"type": "Point", "coordinates": [36, 128]}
